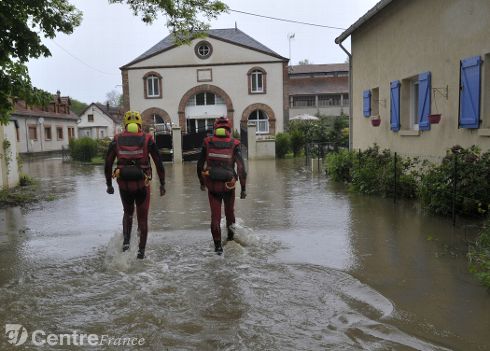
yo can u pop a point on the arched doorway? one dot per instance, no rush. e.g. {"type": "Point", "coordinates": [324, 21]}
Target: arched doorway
{"type": "Point", "coordinates": [158, 120]}
{"type": "Point", "coordinates": [201, 105]}
{"type": "Point", "coordinates": [262, 116]}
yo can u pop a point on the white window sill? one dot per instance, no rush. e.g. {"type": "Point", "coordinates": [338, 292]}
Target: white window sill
{"type": "Point", "coordinates": [484, 132]}
{"type": "Point", "coordinates": [409, 132]}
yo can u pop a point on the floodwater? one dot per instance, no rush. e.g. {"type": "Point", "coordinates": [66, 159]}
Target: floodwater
{"type": "Point", "coordinates": [313, 268]}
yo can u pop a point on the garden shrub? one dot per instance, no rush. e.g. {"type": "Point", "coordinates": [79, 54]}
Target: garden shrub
{"type": "Point", "coordinates": [283, 144]}
{"type": "Point", "coordinates": [470, 169]}
{"type": "Point", "coordinates": [297, 141]}
{"type": "Point", "coordinates": [83, 149]}
{"type": "Point", "coordinates": [339, 165]}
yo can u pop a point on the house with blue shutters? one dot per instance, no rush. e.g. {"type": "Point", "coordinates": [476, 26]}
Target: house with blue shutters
{"type": "Point", "coordinates": [420, 76]}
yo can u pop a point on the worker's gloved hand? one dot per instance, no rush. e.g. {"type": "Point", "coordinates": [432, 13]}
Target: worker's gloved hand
{"type": "Point", "coordinates": [162, 190]}
{"type": "Point", "coordinates": [243, 194]}
{"type": "Point", "coordinates": [110, 189]}
{"type": "Point", "coordinates": [203, 187]}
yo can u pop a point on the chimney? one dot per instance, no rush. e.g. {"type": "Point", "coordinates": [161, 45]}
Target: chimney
{"type": "Point", "coordinates": [107, 106]}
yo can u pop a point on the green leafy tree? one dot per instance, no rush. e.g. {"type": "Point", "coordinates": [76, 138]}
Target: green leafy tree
{"type": "Point", "coordinates": [183, 16]}
{"type": "Point", "coordinates": [77, 106]}
{"type": "Point", "coordinates": [23, 24]}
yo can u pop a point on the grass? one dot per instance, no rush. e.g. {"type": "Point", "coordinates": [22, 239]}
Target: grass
{"type": "Point", "coordinates": [27, 192]}
{"type": "Point", "coordinates": [479, 257]}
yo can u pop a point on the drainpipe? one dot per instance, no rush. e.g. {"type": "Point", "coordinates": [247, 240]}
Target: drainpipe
{"type": "Point", "coordinates": [350, 95]}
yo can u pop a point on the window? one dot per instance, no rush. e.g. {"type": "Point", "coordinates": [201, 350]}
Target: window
{"type": "Point", "coordinates": [17, 133]}
{"type": "Point", "coordinates": [153, 85]}
{"type": "Point", "coordinates": [71, 133]}
{"type": "Point", "coordinates": [415, 102]}
{"type": "Point", "coordinates": [90, 118]}
{"type": "Point", "coordinates": [256, 81]}
{"type": "Point", "coordinates": [47, 132]}
{"type": "Point", "coordinates": [102, 134]}
{"type": "Point", "coordinates": [469, 96]}
{"type": "Point", "coordinates": [32, 132]}
{"type": "Point", "coordinates": [261, 120]}
{"type": "Point", "coordinates": [375, 102]}
{"type": "Point", "coordinates": [486, 91]}
{"type": "Point", "coordinates": [304, 101]}
{"type": "Point", "coordinates": [329, 100]}
{"type": "Point", "coordinates": [203, 99]}
{"type": "Point", "coordinates": [59, 133]}
{"type": "Point", "coordinates": [203, 49]}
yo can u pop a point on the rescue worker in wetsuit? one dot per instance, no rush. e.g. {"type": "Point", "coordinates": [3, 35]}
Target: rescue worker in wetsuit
{"type": "Point", "coordinates": [216, 171]}
{"type": "Point", "coordinates": [133, 149]}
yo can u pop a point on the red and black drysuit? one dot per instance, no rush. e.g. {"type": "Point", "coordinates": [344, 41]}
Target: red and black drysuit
{"type": "Point", "coordinates": [220, 154]}
{"type": "Point", "coordinates": [133, 173]}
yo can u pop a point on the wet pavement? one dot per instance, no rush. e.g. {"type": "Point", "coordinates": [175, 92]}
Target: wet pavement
{"type": "Point", "coordinates": [313, 268]}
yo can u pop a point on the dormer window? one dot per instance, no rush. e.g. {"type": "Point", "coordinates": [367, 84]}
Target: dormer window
{"type": "Point", "coordinates": [203, 49]}
{"type": "Point", "coordinates": [153, 85]}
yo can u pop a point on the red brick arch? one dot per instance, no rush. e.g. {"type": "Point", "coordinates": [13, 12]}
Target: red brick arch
{"type": "Point", "coordinates": [204, 88]}
{"type": "Point", "coordinates": [147, 114]}
{"type": "Point", "coordinates": [267, 109]}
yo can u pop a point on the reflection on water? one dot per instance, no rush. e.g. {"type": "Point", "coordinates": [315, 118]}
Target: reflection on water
{"type": "Point", "coordinates": [313, 268]}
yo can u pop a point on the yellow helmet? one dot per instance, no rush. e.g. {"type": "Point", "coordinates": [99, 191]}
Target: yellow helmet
{"type": "Point", "coordinates": [132, 117]}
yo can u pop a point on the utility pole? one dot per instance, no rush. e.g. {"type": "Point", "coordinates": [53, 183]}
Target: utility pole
{"type": "Point", "coordinates": [290, 36]}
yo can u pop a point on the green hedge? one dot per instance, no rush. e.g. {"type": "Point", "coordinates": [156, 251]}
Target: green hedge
{"type": "Point", "coordinates": [479, 257]}
{"type": "Point", "coordinates": [83, 149]}
{"type": "Point", "coordinates": [283, 144]}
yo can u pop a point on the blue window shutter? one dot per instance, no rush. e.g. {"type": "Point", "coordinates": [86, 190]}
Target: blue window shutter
{"type": "Point", "coordinates": [424, 101]}
{"type": "Point", "coordinates": [395, 106]}
{"type": "Point", "coordinates": [469, 95]}
{"type": "Point", "coordinates": [366, 98]}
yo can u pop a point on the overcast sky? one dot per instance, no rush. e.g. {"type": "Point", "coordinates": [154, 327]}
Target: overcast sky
{"type": "Point", "coordinates": [85, 65]}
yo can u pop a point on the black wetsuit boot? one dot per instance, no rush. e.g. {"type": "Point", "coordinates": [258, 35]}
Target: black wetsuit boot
{"type": "Point", "coordinates": [127, 224]}
{"type": "Point", "coordinates": [217, 247]}
{"type": "Point", "coordinates": [231, 234]}
{"type": "Point", "coordinates": [141, 254]}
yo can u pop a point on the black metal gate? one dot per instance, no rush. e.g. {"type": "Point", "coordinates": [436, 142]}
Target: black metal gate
{"type": "Point", "coordinates": [244, 138]}
{"type": "Point", "coordinates": [192, 143]}
{"type": "Point", "coordinates": [164, 144]}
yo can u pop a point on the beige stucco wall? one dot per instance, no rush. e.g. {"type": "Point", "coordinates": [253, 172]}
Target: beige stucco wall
{"type": "Point", "coordinates": [233, 79]}
{"type": "Point", "coordinates": [9, 173]}
{"type": "Point", "coordinates": [411, 37]}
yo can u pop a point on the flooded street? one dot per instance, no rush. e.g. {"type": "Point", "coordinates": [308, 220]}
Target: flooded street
{"type": "Point", "coordinates": [313, 267]}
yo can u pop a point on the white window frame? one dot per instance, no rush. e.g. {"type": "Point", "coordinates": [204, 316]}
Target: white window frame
{"type": "Point", "coordinates": [414, 104]}
{"type": "Point", "coordinates": [152, 86]}
{"type": "Point", "coordinates": [258, 76]}
{"type": "Point", "coordinates": [261, 124]}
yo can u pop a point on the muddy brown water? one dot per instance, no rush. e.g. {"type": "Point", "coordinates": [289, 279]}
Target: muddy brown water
{"type": "Point", "coordinates": [313, 268]}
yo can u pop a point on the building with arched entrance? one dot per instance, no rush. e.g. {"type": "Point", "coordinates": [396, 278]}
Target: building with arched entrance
{"type": "Point", "coordinates": [227, 73]}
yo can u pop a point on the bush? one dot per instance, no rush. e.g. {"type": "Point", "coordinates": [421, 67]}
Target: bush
{"type": "Point", "coordinates": [283, 144]}
{"type": "Point", "coordinates": [469, 168]}
{"type": "Point", "coordinates": [83, 149]}
{"type": "Point", "coordinates": [102, 146]}
{"type": "Point", "coordinates": [297, 141]}
{"type": "Point", "coordinates": [479, 257]}
{"type": "Point", "coordinates": [339, 165]}
{"type": "Point", "coordinates": [373, 172]}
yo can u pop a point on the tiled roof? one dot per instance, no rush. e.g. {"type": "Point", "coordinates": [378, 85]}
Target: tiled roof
{"type": "Point", "coordinates": [305, 69]}
{"type": "Point", "coordinates": [231, 35]}
{"type": "Point", "coordinates": [20, 109]}
{"type": "Point", "coordinates": [115, 113]}
{"type": "Point", "coordinates": [319, 85]}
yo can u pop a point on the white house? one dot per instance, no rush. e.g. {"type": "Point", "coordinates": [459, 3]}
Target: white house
{"type": "Point", "coordinates": [100, 121]}
{"type": "Point", "coordinates": [44, 129]}
{"type": "Point", "coordinates": [228, 73]}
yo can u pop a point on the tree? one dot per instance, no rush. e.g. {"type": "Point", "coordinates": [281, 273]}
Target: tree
{"type": "Point", "coordinates": [23, 23]}
{"type": "Point", "coordinates": [114, 98]}
{"type": "Point", "coordinates": [183, 16]}
{"type": "Point", "coordinates": [77, 106]}
{"type": "Point", "coordinates": [305, 62]}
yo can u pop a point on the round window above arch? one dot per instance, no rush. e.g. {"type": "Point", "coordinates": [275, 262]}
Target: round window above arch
{"type": "Point", "coordinates": [203, 49]}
